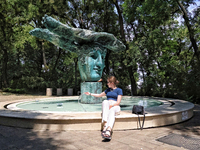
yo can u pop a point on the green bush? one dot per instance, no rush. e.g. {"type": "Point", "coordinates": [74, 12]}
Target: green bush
{"type": "Point", "coordinates": [18, 91]}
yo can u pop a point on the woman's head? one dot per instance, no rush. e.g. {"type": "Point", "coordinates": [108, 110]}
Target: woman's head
{"type": "Point", "coordinates": [112, 80]}
{"type": "Point", "coordinates": [91, 64]}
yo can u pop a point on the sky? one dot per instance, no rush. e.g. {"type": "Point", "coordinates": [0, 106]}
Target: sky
{"type": "Point", "coordinates": [194, 6]}
{"type": "Point", "coordinates": [190, 9]}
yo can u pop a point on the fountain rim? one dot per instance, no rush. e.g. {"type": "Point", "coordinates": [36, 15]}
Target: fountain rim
{"type": "Point", "coordinates": [156, 116]}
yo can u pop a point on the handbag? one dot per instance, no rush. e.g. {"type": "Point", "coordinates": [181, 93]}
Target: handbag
{"type": "Point", "coordinates": [139, 110]}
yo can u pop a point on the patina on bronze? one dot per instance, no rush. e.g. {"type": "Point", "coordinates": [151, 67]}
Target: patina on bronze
{"type": "Point", "coordinates": [91, 48]}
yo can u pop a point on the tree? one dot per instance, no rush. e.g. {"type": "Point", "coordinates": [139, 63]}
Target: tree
{"type": "Point", "coordinates": [190, 29]}
{"type": "Point", "coordinates": [10, 12]}
{"type": "Point", "coordinates": [160, 52]}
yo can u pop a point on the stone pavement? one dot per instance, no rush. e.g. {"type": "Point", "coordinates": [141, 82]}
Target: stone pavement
{"type": "Point", "coordinates": [12, 138]}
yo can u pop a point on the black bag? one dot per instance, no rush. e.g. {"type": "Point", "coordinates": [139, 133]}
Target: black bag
{"type": "Point", "coordinates": [139, 110]}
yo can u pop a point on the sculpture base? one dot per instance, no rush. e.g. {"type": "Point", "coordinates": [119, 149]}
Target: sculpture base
{"type": "Point", "coordinates": [92, 87]}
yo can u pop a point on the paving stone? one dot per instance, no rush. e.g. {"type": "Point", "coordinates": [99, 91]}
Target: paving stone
{"type": "Point", "coordinates": [68, 147]}
{"type": "Point", "coordinates": [169, 147]}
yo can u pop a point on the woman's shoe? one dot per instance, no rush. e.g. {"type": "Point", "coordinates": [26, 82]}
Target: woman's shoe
{"type": "Point", "coordinates": [104, 131]}
{"type": "Point", "coordinates": [108, 135]}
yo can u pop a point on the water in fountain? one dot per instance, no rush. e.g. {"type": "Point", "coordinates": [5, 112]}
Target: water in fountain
{"type": "Point", "coordinates": [74, 105]}
{"type": "Point", "coordinates": [79, 98]}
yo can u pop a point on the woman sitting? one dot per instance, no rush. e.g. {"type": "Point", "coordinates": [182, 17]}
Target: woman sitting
{"type": "Point", "coordinates": [110, 107]}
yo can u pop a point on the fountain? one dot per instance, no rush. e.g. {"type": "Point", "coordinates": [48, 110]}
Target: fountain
{"type": "Point", "coordinates": [88, 116]}
{"type": "Point", "coordinates": [84, 112]}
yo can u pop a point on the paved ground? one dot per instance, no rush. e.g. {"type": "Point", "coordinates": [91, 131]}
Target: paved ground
{"type": "Point", "coordinates": [23, 139]}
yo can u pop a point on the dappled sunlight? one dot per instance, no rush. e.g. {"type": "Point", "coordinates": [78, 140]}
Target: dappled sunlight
{"type": "Point", "coordinates": [191, 126]}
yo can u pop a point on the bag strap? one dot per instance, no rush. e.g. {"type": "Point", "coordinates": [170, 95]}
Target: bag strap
{"type": "Point", "coordinates": [141, 127]}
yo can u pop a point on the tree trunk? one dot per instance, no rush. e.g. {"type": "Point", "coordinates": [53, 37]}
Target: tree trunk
{"type": "Point", "coordinates": [148, 85]}
{"type": "Point", "coordinates": [5, 55]}
{"type": "Point", "coordinates": [121, 23]}
{"type": "Point", "coordinates": [0, 75]}
{"type": "Point", "coordinates": [54, 68]}
{"type": "Point", "coordinates": [105, 23]}
{"type": "Point", "coordinates": [75, 86]}
{"type": "Point", "coordinates": [107, 68]}
{"type": "Point", "coordinates": [4, 69]}
{"type": "Point", "coordinates": [39, 60]}
{"type": "Point", "coordinates": [1, 82]}
{"type": "Point", "coordinates": [44, 57]}
{"type": "Point", "coordinates": [191, 31]}
{"type": "Point", "coordinates": [133, 82]}
{"type": "Point", "coordinates": [144, 82]}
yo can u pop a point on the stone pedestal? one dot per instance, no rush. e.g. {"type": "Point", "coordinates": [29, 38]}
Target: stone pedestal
{"type": "Point", "coordinates": [92, 87]}
{"type": "Point", "coordinates": [59, 91]}
{"type": "Point", "coordinates": [69, 92]}
{"type": "Point", "coordinates": [49, 92]}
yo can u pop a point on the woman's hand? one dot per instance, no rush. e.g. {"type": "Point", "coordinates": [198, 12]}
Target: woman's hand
{"type": "Point", "coordinates": [110, 106]}
{"type": "Point", "coordinates": [87, 93]}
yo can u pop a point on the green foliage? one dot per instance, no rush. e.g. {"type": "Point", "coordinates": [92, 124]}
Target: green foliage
{"type": "Point", "coordinates": [158, 51]}
{"type": "Point", "coordinates": [33, 82]}
{"type": "Point", "coordinates": [162, 48]}
{"type": "Point", "coordinates": [18, 91]}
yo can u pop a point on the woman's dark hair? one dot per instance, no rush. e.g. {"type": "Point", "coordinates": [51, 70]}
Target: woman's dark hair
{"type": "Point", "coordinates": [113, 79]}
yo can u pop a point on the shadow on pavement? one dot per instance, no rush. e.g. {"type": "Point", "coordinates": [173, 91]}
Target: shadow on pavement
{"type": "Point", "coordinates": [191, 126]}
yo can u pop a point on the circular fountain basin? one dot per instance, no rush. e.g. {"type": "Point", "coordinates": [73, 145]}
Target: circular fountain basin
{"type": "Point", "coordinates": [65, 105]}
{"type": "Point", "coordinates": [165, 112]}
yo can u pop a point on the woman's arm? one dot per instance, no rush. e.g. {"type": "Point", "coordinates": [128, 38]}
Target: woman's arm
{"type": "Point", "coordinates": [119, 98]}
{"type": "Point", "coordinates": [96, 95]}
